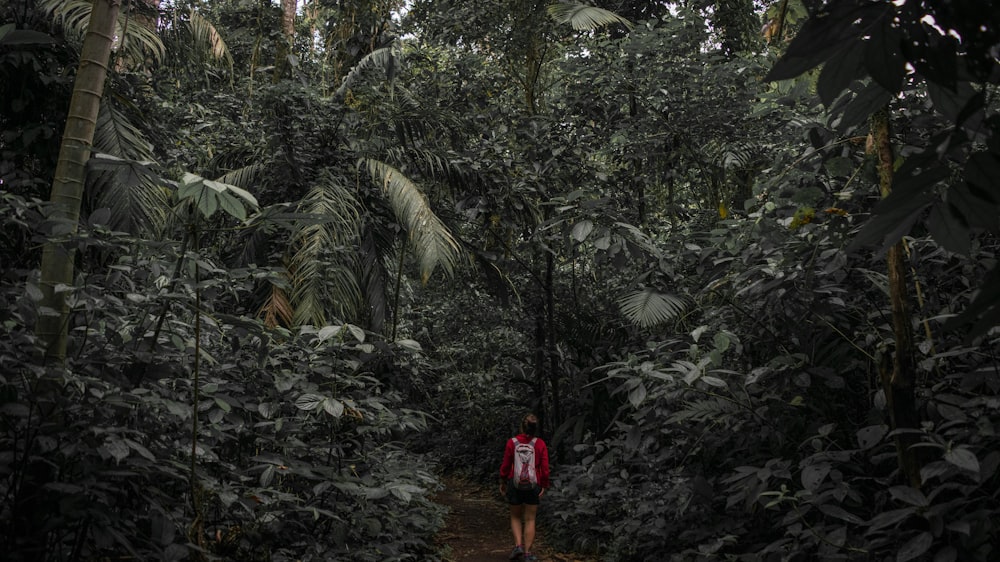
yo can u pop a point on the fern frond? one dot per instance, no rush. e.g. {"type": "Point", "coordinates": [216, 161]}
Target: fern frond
{"type": "Point", "coordinates": [432, 243]}
{"type": "Point", "coordinates": [585, 18]}
{"type": "Point", "coordinates": [647, 307]}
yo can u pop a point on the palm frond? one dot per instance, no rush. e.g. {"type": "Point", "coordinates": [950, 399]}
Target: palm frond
{"type": "Point", "coordinates": [134, 41]}
{"type": "Point", "coordinates": [116, 135]}
{"type": "Point", "coordinates": [277, 310]}
{"type": "Point", "coordinates": [245, 177]}
{"type": "Point", "coordinates": [647, 307]}
{"type": "Point", "coordinates": [432, 243]}
{"type": "Point", "coordinates": [138, 201]}
{"type": "Point", "coordinates": [207, 37]}
{"type": "Point", "coordinates": [323, 262]}
{"type": "Point", "coordinates": [387, 58]}
{"type": "Point", "coordinates": [585, 18]}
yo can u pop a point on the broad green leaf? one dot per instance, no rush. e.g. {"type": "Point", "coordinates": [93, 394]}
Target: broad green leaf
{"type": "Point", "coordinates": [223, 404]}
{"type": "Point", "coordinates": [915, 547]}
{"type": "Point", "coordinates": [974, 206]}
{"type": "Point", "coordinates": [243, 194]}
{"type": "Point", "coordinates": [838, 73]}
{"type": "Point", "coordinates": [207, 202]}
{"type": "Point", "coordinates": [949, 230]}
{"type": "Point", "coordinates": [214, 185]}
{"type": "Point", "coordinates": [637, 394]}
{"type": "Point", "coordinates": [861, 106]}
{"type": "Point", "coordinates": [840, 513]}
{"type": "Point", "coordinates": [890, 518]}
{"type": "Point", "coordinates": [581, 230]}
{"type": "Point", "coordinates": [115, 448]}
{"type": "Point", "coordinates": [957, 102]}
{"type": "Point", "coordinates": [333, 407]}
{"type": "Point", "coordinates": [910, 495]}
{"type": "Point", "coordinates": [824, 35]}
{"type": "Point", "coordinates": [410, 345]}
{"type": "Point", "coordinates": [267, 409]}
{"type": "Point", "coordinates": [308, 401]}
{"type": "Point", "coordinates": [714, 381]}
{"type": "Point", "coordinates": [231, 205]}
{"type": "Point", "coordinates": [883, 58]}
{"type": "Point", "coordinates": [267, 476]}
{"type": "Point", "coordinates": [139, 448]}
{"type": "Point", "coordinates": [963, 458]}
{"type": "Point", "coordinates": [327, 332]}
{"type": "Point", "coordinates": [813, 475]}
{"type": "Point", "coordinates": [872, 435]}
{"type": "Point", "coordinates": [357, 332]}
{"type": "Point", "coordinates": [190, 187]}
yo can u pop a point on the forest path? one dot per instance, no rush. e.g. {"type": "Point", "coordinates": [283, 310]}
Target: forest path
{"type": "Point", "coordinates": [477, 526]}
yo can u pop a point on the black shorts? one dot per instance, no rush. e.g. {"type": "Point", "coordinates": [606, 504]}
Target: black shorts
{"type": "Point", "coordinates": [518, 497]}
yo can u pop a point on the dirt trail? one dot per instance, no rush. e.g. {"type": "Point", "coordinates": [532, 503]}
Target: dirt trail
{"type": "Point", "coordinates": [477, 527]}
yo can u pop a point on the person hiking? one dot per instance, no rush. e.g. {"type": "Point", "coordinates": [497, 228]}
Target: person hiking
{"type": "Point", "coordinates": [524, 477]}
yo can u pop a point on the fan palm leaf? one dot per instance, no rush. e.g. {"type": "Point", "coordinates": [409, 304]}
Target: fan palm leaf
{"type": "Point", "coordinates": [647, 307]}
{"type": "Point", "coordinates": [585, 18]}
{"type": "Point", "coordinates": [323, 263]}
{"type": "Point", "coordinates": [430, 239]}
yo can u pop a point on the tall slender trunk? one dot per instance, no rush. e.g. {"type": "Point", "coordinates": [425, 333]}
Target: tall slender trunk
{"type": "Point", "coordinates": [282, 65]}
{"type": "Point", "coordinates": [68, 183]}
{"type": "Point", "coordinates": [897, 382]}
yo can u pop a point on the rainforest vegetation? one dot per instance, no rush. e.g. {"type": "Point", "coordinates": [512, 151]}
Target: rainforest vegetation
{"type": "Point", "coordinates": [268, 270]}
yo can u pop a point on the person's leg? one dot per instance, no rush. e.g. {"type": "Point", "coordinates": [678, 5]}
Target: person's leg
{"type": "Point", "coordinates": [516, 517]}
{"type": "Point", "coordinates": [529, 525]}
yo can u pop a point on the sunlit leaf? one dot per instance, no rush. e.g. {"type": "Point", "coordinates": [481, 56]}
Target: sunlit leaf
{"type": "Point", "coordinates": [585, 18]}
{"type": "Point", "coordinates": [647, 307]}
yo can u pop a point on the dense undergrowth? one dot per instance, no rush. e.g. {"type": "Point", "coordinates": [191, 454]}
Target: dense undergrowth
{"type": "Point", "coordinates": [297, 447]}
{"type": "Point", "coordinates": [758, 430]}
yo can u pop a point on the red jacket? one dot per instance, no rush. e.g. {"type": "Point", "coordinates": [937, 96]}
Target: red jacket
{"type": "Point", "coordinates": [541, 460]}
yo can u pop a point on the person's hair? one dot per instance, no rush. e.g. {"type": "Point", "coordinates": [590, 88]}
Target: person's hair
{"type": "Point", "coordinates": [529, 424]}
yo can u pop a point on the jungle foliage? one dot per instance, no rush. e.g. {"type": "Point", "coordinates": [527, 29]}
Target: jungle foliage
{"type": "Point", "coordinates": [740, 258]}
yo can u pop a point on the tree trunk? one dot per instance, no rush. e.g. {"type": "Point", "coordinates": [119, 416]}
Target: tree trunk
{"type": "Point", "coordinates": [282, 65]}
{"type": "Point", "coordinates": [68, 183]}
{"type": "Point", "coordinates": [897, 382]}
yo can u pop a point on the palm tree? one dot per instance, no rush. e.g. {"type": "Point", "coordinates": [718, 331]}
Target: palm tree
{"type": "Point", "coordinates": [67, 186]}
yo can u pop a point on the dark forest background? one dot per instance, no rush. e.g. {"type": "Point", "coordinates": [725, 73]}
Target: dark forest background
{"type": "Point", "coordinates": [268, 270]}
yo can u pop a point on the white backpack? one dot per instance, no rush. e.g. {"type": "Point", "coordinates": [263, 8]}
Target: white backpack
{"type": "Point", "coordinates": [524, 477]}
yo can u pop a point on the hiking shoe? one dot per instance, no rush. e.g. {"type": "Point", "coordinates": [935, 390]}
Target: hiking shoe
{"type": "Point", "coordinates": [518, 552]}
{"type": "Point", "coordinates": [529, 557]}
